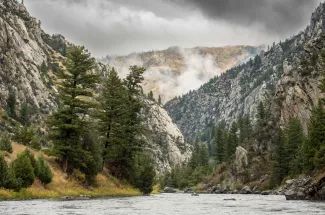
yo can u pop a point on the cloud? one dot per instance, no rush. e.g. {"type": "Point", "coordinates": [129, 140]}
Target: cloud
{"type": "Point", "coordinates": [125, 26]}
{"type": "Point", "coordinates": [279, 16]}
{"type": "Point", "coordinates": [164, 80]}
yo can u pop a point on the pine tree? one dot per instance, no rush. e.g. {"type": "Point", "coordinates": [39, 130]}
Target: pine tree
{"type": "Point", "coordinates": [45, 173]}
{"type": "Point", "coordinates": [220, 145]}
{"type": "Point", "coordinates": [23, 170]}
{"type": "Point", "coordinates": [24, 114]}
{"type": "Point", "coordinates": [33, 161]}
{"type": "Point", "coordinates": [133, 124]}
{"type": "Point", "coordinates": [145, 173]}
{"type": "Point", "coordinates": [44, 68]}
{"type": "Point", "coordinates": [5, 143]}
{"type": "Point", "coordinates": [294, 140]}
{"type": "Point", "coordinates": [233, 139]}
{"type": "Point", "coordinates": [150, 96]}
{"type": "Point", "coordinates": [203, 155]}
{"type": "Point", "coordinates": [112, 116]}
{"type": "Point", "coordinates": [159, 100]}
{"type": "Point", "coordinates": [316, 137]}
{"type": "Point", "coordinates": [280, 167]}
{"type": "Point", "coordinates": [11, 104]}
{"type": "Point", "coordinates": [261, 115]}
{"type": "Point", "coordinates": [69, 124]}
{"type": "Point", "coordinates": [36, 143]}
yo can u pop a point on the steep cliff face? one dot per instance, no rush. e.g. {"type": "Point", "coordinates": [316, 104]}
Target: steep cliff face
{"type": "Point", "coordinates": [182, 69]}
{"type": "Point", "coordinates": [22, 52]}
{"type": "Point", "coordinates": [164, 138]}
{"type": "Point", "coordinates": [275, 77]}
{"type": "Point", "coordinates": [298, 90]}
{"type": "Point", "coordinates": [29, 60]}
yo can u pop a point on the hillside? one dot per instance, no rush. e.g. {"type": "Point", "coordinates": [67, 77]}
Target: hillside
{"type": "Point", "coordinates": [261, 121]}
{"type": "Point", "coordinates": [61, 186]}
{"type": "Point", "coordinates": [273, 77]}
{"type": "Point", "coordinates": [182, 69]}
{"type": "Point", "coordinates": [29, 64]}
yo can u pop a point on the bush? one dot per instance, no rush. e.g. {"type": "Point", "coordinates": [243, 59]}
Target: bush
{"type": "Point", "coordinates": [36, 143]}
{"type": "Point", "coordinates": [24, 135]}
{"type": "Point", "coordinates": [78, 176]}
{"type": "Point", "coordinates": [24, 170]}
{"type": "Point", "coordinates": [3, 171]}
{"type": "Point", "coordinates": [5, 143]}
{"type": "Point", "coordinates": [13, 183]}
{"type": "Point", "coordinates": [33, 162]}
{"type": "Point", "coordinates": [45, 174]}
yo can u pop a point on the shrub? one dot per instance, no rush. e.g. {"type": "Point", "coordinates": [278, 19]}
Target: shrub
{"type": "Point", "coordinates": [45, 173]}
{"type": "Point", "coordinates": [24, 170]}
{"type": "Point", "coordinates": [78, 176]}
{"type": "Point", "coordinates": [5, 143]}
{"type": "Point", "coordinates": [36, 143]}
{"type": "Point", "coordinates": [33, 161]}
{"type": "Point", "coordinates": [24, 135]}
{"type": "Point", "coordinates": [12, 182]}
{"type": "Point", "coordinates": [3, 171]}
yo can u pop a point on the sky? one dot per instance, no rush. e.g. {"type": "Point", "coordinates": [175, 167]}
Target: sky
{"type": "Point", "coordinates": [119, 27]}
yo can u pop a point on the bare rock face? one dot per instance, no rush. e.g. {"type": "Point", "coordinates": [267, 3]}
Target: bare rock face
{"type": "Point", "coordinates": [22, 51]}
{"type": "Point", "coordinates": [164, 138]}
{"type": "Point", "coordinates": [241, 158]}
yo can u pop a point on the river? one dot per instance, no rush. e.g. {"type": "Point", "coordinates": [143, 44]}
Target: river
{"type": "Point", "coordinates": [166, 204]}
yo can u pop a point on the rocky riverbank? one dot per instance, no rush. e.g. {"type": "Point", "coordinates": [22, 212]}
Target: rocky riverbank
{"type": "Point", "coordinates": [302, 188]}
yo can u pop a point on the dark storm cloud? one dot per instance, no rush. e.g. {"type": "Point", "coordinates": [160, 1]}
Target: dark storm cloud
{"type": "Point", "coordinates": [282, 16]}
{"type": "Point", "coordinates": [124, 26]}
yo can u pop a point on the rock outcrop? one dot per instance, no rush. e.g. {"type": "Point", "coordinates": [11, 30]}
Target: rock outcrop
{"type": "Point", "coordinates": [164, 138]}
{"type": "Point", "coordinates": [305, 188]}
{"type": "Point", "coordinates": [22, 52]}
{"type": "Point", "coordinates": [241, 160]}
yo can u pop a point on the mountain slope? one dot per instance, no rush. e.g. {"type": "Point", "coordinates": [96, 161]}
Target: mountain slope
{"type": "Point", "coordinates": [182, 69]}
{"type": "Point", "coordinates": [29, 61]}
{"type": "Point", "coordinates": [275, 77]}
{"type": "Point", "coordinates": [22, 51]}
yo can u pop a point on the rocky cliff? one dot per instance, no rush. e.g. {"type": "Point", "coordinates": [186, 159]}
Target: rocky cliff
{"type": "Point", "coordinates": [182, 69]}
{"type": "Point", "coordinates": [29, 60]}
{"type": "Point", "coordinates": [22, 52]}
{"type": "Point", "coordinates": [164, 138]}
{"type": "Point", "coordinates": [276, 77]}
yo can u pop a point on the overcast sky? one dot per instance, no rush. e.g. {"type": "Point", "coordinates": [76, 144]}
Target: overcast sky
{"type": "Point", "coordinates": [110, 27]}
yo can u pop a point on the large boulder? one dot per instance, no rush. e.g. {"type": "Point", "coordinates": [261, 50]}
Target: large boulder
{"type": "Point", "coordinates": [169, 190]}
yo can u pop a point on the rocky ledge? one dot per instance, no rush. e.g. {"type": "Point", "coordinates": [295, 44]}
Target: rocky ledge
{"type": "Point", "coordinates": [305, 188]}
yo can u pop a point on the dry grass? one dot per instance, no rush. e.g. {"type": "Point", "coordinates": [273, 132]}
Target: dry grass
{"type": "Point", "coordinates": [156, 189]}
{"type": "Point", "coordinates": [62, 186]}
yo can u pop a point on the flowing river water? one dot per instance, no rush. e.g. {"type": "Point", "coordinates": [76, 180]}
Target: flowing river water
{"type": "Point", "coordinates": [166, 204]}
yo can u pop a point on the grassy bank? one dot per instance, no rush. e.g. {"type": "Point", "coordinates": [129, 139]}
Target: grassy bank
{"type": "Point", "coordinates": [62, 186]}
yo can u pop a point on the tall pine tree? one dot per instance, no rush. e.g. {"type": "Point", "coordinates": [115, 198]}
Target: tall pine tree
{"type": "Point", "coordinates": [69, 125]}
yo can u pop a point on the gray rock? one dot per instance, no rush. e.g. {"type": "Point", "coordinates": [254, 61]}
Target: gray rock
{"type": "Point", "coordinates": [266, 193]}
{"type": "Point", "coordinates": [169, 190]}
